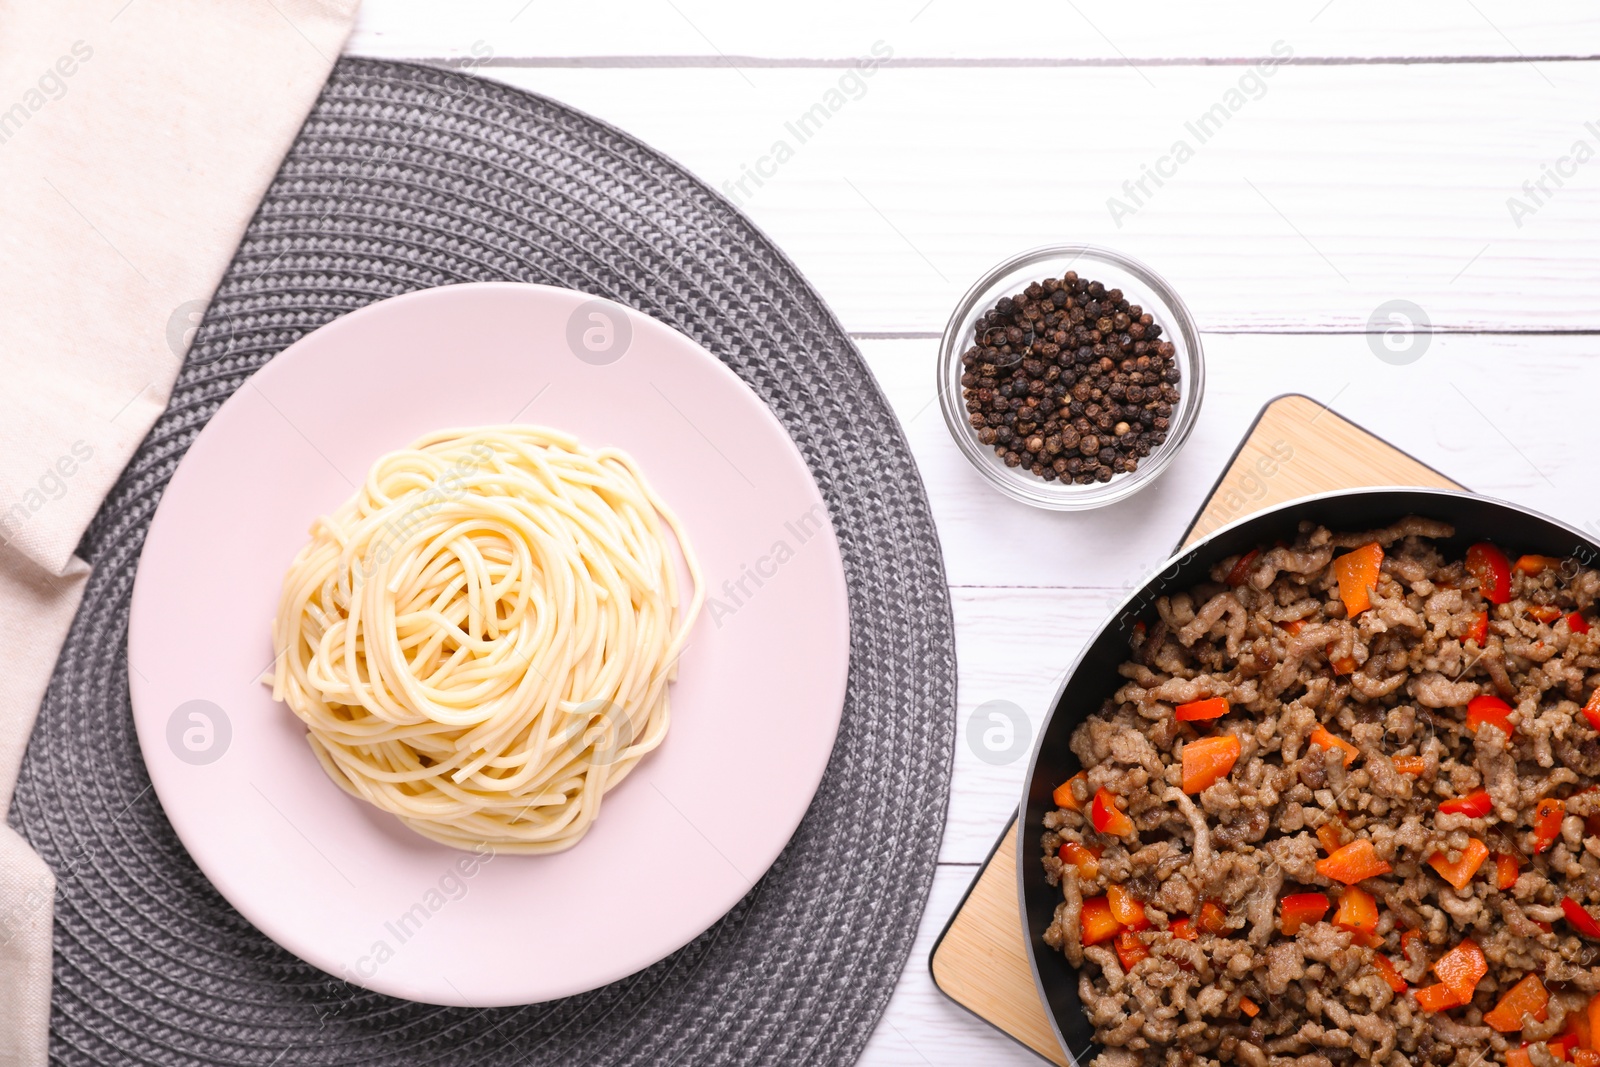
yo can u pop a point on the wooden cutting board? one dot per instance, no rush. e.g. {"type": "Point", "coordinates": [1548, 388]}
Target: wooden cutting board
{"type": "Point", "coordinates": [1296, 447]}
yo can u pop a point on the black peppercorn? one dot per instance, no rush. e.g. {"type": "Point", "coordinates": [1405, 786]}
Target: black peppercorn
{"type": "Point", "coordinates": [1069, 381]}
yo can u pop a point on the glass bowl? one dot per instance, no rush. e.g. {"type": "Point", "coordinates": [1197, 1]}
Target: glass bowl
{"type": "Point", "coordinates": [1140, 285]}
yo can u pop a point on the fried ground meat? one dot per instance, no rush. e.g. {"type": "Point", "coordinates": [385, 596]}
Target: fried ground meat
{"type": "Point", "coordinates": [1212, 868]}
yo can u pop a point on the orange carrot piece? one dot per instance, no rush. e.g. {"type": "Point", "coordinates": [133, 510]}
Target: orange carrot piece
{"type": "Point", "coordinates": [1095, 923]}
{"type": "Point", "coordinates": [1357, 573]}
{"type": "Point", "coordinates": [1249, 1007]}
{"type": "Point", "coordinates": [1577, 1024]}
{"type": "Point", "coordinates": [1527, 997]}
{"type": "Point", "coordinates": [1462, 968]}
{"type": "Point", "coordinates": [1561, 1048]}
{"type": "Point", "coordinates": [1125, 907]}
{"type": "Point", "coordinates": [1353, 862]}
{"type": "Point", "coordinates": [1358, 911]}
{"type": "Point", "coordinates": [1323, 739]}
{"type": "Point", "coordinates": [1210, 708]}
{"type": "Point", "coordinates": [1208, 760]}
{"type": "Point", "coordinates": [1084, 858]}
{"type": "Point", "coordinates": [1409, 764]}
{"type": "Point", "coordinates": [1461, 871]}
{"type": "Point", "coordinates": [1063, 794]}
{"type": "Point", "coordinates": [1213, 919]}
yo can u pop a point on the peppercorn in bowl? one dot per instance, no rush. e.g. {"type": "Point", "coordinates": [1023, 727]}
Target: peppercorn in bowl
{"type": "Point", "coordinates": [1070, 376]}
{"type": "Point", "coordinates": [1321, 792]}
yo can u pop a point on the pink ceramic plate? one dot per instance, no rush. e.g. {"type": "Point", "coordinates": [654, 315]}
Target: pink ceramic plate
{"type": "Point", "coordinates": [754, 711]}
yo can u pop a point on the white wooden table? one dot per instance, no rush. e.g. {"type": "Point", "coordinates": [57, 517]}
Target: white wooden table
{"type": "Point", "coordinates": [1376, 164]}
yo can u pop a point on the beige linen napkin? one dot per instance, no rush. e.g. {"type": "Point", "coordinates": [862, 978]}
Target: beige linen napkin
{"type": "Point", "coordinates": [136, 137]}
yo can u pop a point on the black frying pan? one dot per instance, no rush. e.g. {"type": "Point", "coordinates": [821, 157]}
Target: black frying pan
{"type": "Point", "coordinates": [1094, 677]}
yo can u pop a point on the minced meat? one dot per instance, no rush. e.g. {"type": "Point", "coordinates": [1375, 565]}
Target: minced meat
{"type": "Point", "coordinates": [1272, 636]}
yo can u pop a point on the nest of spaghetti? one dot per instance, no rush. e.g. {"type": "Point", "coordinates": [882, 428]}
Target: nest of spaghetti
{"type": "Point", "coordinates": [481, 640]}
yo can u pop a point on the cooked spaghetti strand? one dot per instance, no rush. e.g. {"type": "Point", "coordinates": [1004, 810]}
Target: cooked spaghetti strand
{"type": "Point", "coordinates": [480, 641]}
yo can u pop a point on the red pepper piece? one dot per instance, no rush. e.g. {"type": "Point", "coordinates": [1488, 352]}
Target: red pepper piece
{"type": "Point", "coordinates": [1130, 949]}
{"type": "Point", "coordinates": [1107, 817]}
{"type": "Point", "coordinates": [1241, 569]}
{"type": "Point", "coordinates": [1390, 974]}
{"type": "Point", "coordinates": [1579, 918]}
{"type": "Point", "coordinates": [1547, 816]}
{"type": "Point", "coordinates": [1436, 997]}
{"type": "Point", "coordinates": [1489, 565]}
{"type": "Point", "coordinates": [1095, 923]}
{"type": "Point", "coordinates": [1476, 804]}
{"type": "Point", "coordinates": [1488, 709]}
{"type": "Point", "coordinates": [1084, 858]}
{"type": "Point", "coordinates": [1591, 710]}
{"type": "Point", "coordinates": [1505, 871]}
{"type": "Point", "coordinates": [1298, 909]}
{"type": "Point", "coordinates": [1125, 907]}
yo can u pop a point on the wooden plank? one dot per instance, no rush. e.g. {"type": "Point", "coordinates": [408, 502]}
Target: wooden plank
{"type": "Point", "coordinates": [1331, 192]}
{"type": "Point", "coordinates": [707, 30]}
{"type": "Point", "coordinates": [982, 964]}
{"type": "Point", "coordinates": [981, 961]}
{"type": "Point", "coordinates": [1274, 465]}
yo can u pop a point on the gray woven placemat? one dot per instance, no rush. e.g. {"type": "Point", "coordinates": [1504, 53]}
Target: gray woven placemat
{"type": "Point", "coordinates": [407, 177]}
